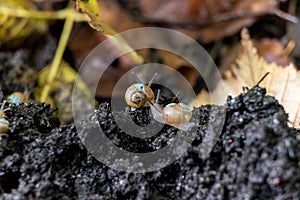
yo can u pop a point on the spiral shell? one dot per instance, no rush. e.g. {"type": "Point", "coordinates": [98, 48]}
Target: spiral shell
{"type": "Point", "coordinates": [175, 113]}
{"type": "Point", "coordinates": [135, 95]}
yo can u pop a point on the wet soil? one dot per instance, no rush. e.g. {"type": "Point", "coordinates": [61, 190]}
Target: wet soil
{"type": "Point", "coordinates": [257, 155]}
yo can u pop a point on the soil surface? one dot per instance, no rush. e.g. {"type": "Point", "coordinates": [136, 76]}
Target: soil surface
{"type": "Point", "coordinates": [256, 156]}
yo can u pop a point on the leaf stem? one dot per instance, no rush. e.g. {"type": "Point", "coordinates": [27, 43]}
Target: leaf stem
{"type": "Point", "coordinates": [58, 56]}
{"type": "Point", "coordinates": [61, 14]}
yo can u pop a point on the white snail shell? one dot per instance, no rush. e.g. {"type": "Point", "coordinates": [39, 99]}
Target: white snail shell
{"type": "Point", "coordinates": [176, 113]}
{"type": "Point", "coordinates": [135, 95]}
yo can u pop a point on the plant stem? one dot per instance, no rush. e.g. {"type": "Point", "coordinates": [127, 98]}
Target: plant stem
{"type": "Point", "coordinates": [61, 14]}
{"type": "Point", "coordinates": [58, 56]}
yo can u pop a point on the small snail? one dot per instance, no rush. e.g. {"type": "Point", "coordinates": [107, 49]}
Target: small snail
{"type": "Point", "coordinates": [4, 124]}
{"type": "Point", "coordinates": [18, 97]}
{"type": "Point", "coordinates": [135, 95]}
{"type": "Point", "coordinates": [174, 114]}
{"type": "Point", "coordinates": [138, 95]}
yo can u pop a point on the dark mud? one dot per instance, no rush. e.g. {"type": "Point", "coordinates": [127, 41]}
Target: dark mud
{"type": "Point", "coordinates": [257, 156]}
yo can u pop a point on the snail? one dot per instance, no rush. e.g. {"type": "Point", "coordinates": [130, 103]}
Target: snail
{"type": "Point", "coordinates": [18, 97]}
{"type": "Point", "coordinates": [138, 95]}
{"type": "Point", "coordinates": [4, 124]}
{"type": "Point", "coordinates": [174, 114]}
{"type": "Point", "coordinates": [135, 95]}
{"type": "Point", "coordinates": [177, 115]}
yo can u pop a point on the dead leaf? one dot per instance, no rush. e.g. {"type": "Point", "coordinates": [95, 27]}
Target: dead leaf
{"type": "Point", "coordinates": [273, 51]}
{"type": "Point", "coordinates": [200, 19]}
{"type": "Point", "coordinates": [14, 30]}
{"type": "Point", "coordinates": [270, 49]}
{"type": "Point", "coordinates": [199, 13]}
{"type": "Point", "coordinates": [92, 10]}
{"type": "Point", "coordinates": [283, 82]}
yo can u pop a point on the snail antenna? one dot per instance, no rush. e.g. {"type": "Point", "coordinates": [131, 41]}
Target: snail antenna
{"type": "Point", "coordinates": [152, 79]}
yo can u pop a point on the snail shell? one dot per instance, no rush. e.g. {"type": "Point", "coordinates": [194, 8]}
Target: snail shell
{"type": "Point", "coordinates": [175, 113]}
{"type": "Point", "coordinates": [17, 97]}
{"type": "Point", "coordinates": [4, 125]}
{"type": "Point", "coordinates": [135, 95]}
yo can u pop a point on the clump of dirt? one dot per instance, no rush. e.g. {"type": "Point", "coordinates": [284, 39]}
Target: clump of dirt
{"type": "Point", "coordinates": [256, 156]}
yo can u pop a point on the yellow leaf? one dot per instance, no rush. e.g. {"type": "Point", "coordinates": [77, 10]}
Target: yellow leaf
{"type": "Point", "coordinates": [60, 90]}
{"type": "Point", "coordinates": [15, 30]}
{"type": "Point", "coordinates": [91, 8]}
{"type": "Point", "coordinates": [283, 82]}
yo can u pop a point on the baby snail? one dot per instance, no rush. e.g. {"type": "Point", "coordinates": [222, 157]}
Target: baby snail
{"type": "Point", "coordinates": [174, 114]}
{"type": "Point", "coordinates": [138, 95]}
{"type": "Point", "coordinates": [4, 124]}
{"type": "Point", "coordinates": [135, 95]}
{"type": "Point", "coordinates": [18, 97]}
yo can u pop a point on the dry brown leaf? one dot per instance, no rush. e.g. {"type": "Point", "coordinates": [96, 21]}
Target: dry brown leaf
{"type": "Point", "coordinates": [195, 12]}
{"type": "Point", "coordinates": [200, 19]}
{"type": "Point", "coordinates": [272, 50]}
{"type": "Point", "coordinates": [283, 82]}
